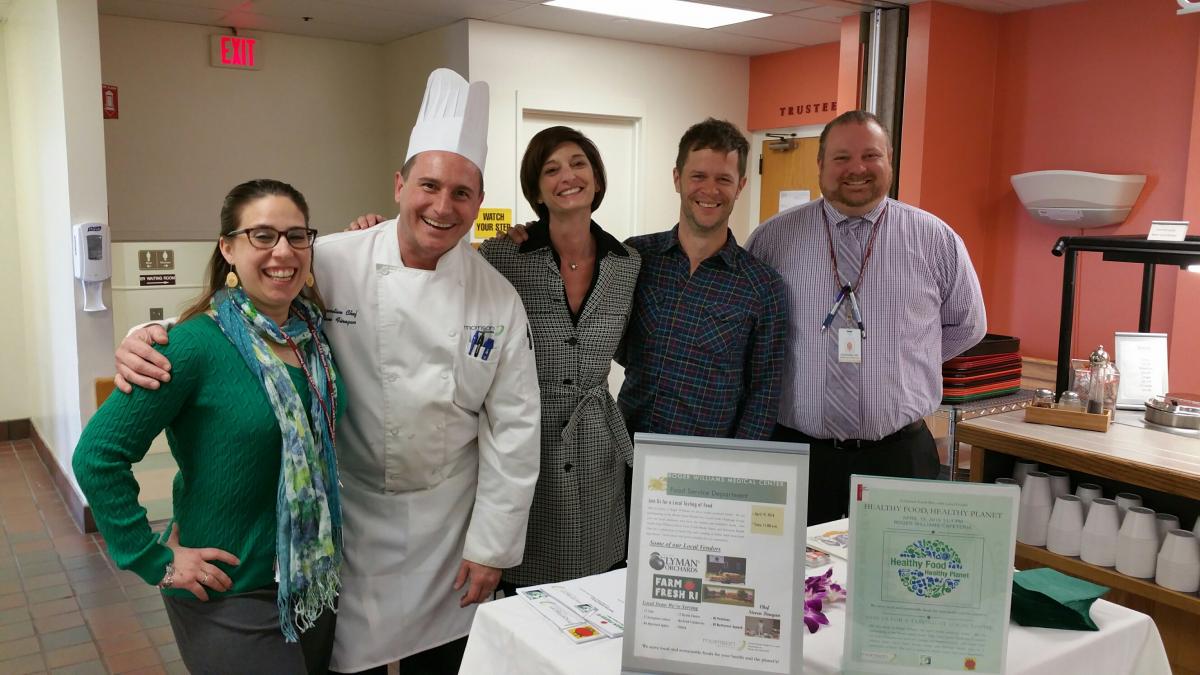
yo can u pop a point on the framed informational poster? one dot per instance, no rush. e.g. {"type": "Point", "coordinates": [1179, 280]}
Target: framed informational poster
{"type": "Point", "coordinates": [715, 584]}
{"type": "Point", "coordinates": [930, 576]}
{"type": "Point", "coordinates": [1141, 359]}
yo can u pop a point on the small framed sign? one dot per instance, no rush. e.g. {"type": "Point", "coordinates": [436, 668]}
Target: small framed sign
{"type": "Point", "coordinates": [1141, 359]}
{"type": "Point", "coordinates": [715, 584]}
{"type": "Point", "coordinates": [1168, 230]}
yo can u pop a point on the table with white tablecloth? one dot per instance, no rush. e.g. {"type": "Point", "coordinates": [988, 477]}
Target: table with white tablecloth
{"type": "Point", "coordinates": [509, 637]}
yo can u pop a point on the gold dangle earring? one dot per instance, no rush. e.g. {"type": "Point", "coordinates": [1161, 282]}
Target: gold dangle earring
{"type": "Point", "coordinates": [310, 281]}
{"type": "Point", "coordinates": [231, 279]}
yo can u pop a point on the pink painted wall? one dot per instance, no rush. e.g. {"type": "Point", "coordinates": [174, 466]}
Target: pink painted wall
{"type": "Point", "coordinates": [946, 148]}
{"type": "Point", "coordinates": [794, 88]}
{"type": "Point", "coordinates": [1104, 86]}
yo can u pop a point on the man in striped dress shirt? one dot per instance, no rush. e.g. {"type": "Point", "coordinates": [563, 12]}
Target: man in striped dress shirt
{"type": "Point", "coordinates": [880, 294]}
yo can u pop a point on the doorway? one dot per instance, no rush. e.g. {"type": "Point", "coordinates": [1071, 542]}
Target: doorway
{"type": "Point", "coordinates": [616, 139]}
{"type": "Point", "coordinates": [782, 173]}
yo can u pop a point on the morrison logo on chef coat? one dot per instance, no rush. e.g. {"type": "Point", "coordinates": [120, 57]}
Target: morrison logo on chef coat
{"type": "Point", "coordinates": [482, 340]}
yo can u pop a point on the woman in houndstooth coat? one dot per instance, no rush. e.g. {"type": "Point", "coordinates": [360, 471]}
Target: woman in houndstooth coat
{"type": "Point", "coordinates": [576, 282]}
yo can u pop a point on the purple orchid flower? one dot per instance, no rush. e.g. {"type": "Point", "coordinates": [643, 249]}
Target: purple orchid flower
{"type": "Point", "coordinates": [817, 590]}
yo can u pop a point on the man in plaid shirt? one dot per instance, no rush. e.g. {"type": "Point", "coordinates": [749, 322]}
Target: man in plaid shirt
{"type": "Point", "coordinates": [703, 351]}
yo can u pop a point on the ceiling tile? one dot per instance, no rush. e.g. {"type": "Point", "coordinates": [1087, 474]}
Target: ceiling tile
{"type": "Point", "coordinates": [768, 6]}
{"type": "Point", "coordinates": [727, 43]}
{"type": "Point", "coordinates": [162, 11]}
{"type": "Point", "coordinates": [829, 13]}
{"type": "Point", "coordinates": [786, 28]}
{"type": "Point", "coordinates": [456, 9]}
{"type": "Point", "coordinates": [379, 21]}
{"type": "Point", "coordinates": [316, 28]}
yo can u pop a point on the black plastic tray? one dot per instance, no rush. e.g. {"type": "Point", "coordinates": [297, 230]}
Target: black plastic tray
{"type": "Point", "coordinates": [994, 344]}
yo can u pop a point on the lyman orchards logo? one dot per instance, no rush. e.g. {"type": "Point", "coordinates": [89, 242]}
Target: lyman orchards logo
{"type": "Point", "coordinates": [929, 568]}
{"type": "Point", "coordinates": [673, 563]}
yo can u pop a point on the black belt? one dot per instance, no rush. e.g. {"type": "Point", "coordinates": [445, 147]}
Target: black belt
{"type": "Point", "coordinates": [858, 444]}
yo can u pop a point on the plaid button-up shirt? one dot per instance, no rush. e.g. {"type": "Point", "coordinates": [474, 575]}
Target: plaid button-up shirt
{"type": "Point", "coordinates": [703, 352]}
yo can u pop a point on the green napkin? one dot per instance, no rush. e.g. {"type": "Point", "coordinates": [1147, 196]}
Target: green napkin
{"type": "Point", "coordinates": [1048, 598]}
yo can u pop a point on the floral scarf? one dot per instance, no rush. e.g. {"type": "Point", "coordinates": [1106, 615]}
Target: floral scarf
{"type": "Point", "coordinates": [308, 545]}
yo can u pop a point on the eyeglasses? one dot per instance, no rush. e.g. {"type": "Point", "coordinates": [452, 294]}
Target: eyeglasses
{"type": "Point", "coordinates": [267, 237]}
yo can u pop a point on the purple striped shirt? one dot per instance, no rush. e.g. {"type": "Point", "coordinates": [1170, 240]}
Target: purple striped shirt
{"type": "Point", "coordinates": [921, 305]}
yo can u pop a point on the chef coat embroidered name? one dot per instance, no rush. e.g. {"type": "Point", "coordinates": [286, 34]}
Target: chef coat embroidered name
{"type": "Point", "coordinates": [347, 316]}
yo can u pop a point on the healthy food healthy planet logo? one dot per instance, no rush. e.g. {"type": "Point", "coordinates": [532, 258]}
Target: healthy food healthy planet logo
{"type": "Point", "coordinates": [929, 568]}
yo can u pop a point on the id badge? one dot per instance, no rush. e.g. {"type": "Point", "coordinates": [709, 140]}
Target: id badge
{"type": "Point", "coordinates": [849, 345]}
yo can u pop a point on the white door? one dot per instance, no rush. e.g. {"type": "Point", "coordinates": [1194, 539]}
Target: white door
{"type": "Point", "coordinates": [616, 139]}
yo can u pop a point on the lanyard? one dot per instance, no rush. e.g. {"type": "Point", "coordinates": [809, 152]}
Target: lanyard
{"type": "Point", "coordinates": [845, 290]}
{"type": "Point", "coordinates": [329, 420]}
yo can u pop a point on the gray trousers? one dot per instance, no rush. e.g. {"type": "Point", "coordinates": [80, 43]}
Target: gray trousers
{"type": "Point", "coordinates": [240, 634]}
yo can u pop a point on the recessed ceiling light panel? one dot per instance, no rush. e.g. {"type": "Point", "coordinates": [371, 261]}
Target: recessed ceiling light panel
{"type": "Point", "coordinates": [677, 12]}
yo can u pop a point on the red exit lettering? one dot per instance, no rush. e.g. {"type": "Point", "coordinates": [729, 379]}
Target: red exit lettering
{"type": "Point", "coordinates": [236, 51]}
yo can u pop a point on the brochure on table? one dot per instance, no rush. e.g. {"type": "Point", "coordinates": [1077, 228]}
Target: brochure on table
{"type": "Point", "coordinates": [930, 576]}
{"type": "Point", "coordinates": [584, 609]}
{"type": "Point", "coordinates": [715, 583]}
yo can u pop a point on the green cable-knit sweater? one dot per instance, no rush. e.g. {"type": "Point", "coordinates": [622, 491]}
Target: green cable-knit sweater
{"type": "Point", "coordinates": [224, 437]}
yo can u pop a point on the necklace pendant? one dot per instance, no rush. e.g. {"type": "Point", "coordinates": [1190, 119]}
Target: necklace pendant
{"type": "Point", "coordinates": [573, 266]}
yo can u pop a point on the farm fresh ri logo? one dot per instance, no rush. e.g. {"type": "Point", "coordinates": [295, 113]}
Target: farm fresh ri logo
{"type": "Point", "coordinates": [676, 588]}
{"type": "Point", "coordinates": [929, 568]}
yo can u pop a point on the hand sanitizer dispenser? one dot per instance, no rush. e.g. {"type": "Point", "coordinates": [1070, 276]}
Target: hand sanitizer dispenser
{"type": "Point", "coordinates": [93, 262]}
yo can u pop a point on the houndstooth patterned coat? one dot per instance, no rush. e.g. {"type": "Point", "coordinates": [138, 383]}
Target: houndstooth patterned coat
{"type": "Point", "coordinates": [577, 521]}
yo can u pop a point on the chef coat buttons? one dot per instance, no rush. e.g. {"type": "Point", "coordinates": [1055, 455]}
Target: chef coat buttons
{"type": "Point", "coordinates": [568, 381]}
{"type": "Point", "coordinates": [453, 333]}
{"type": "Point", "coordinates": [445, 376]}
{"type": "Point", "coordinates": [572, 341]}
{"type": "Point", "coordinates": [384, 272]}
{"type": "Point", "coordinates": [567, 467]}
{"type": "Point", "coordinates": [392, 377]}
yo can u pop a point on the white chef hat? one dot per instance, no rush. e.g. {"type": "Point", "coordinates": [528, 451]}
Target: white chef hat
{"type": "Point", "coordinates": [453, 118]}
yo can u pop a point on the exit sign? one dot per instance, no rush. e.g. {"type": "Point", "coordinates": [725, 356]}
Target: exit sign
{"type": "Point", "coordinates": [232, 51]}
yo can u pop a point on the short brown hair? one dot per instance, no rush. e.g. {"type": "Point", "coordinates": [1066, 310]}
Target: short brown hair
{"type": "Point", "coordinates": [851, 117]}
{"type": "Point", "coordinates": [541, 146]}
{"type": "Point", "coordinates": [713, 134]}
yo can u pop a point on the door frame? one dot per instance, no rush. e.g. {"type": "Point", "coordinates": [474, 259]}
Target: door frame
{"type": "Point", "coordinates": [630, 110]}
{"type": "Point", "coordinates": [756, 140]}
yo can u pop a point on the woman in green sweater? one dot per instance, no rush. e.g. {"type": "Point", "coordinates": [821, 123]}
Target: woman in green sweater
{"type": "Point", "coordinates": [250, 573]}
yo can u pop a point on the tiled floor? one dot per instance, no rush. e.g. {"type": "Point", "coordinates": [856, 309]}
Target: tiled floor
{"type": "Point", "coordinates": [64, 607]}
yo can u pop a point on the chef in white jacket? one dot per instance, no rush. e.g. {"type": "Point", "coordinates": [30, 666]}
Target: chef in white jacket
{"type": "Point", "coordinates": [439, 452]}
{"type": "Point", "coordinates": [439, 449]}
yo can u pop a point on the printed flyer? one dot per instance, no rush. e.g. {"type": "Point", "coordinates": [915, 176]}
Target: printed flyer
{"type": "Point", "coordinates": [717, 548]}
{"type": "Point", "coordinates": [930, 576]}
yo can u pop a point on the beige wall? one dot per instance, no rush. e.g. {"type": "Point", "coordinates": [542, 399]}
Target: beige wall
{"type": "Point", "coordinates": [673, 87]}
{"type": "Point", "coordinates": [14, 401]}
{"type": "Point", "coordinates": [52, 69]}
{"type": "Point", "coordinates": [188, 132]}
{"type": "Point", "coordinates": [407, 64]}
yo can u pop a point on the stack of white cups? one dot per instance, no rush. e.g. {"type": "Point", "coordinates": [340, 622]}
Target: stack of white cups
{"type": "Point", "coordinates": [1166, 522]}
{"type": "Point", "coordinates": [1086, 493]}
{"type": "Point", "coordinates": [1065, 531]}
{"type": "Point", "coordinates": [1098, 545]}
{"type": "Point", "coordinates": [1126, 500]}
{"type": "Point", "coordinates": [1137, 543]}
{"type": "Point", "coordinates": [1178, 565]}
{"type": "Point", "coordinates": [1060, 484]}
{"type": "Point", "coordinates": [1022, 469]}
{"type": "Point", "coordinates": [1033, 518]}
